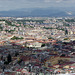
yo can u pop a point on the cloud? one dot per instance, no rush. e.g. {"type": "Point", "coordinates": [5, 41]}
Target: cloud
{"type": "Point", "coordinates": [47, 0]}
{"type": "Point", "coordinates": [69, 12]}
{"type": "Point", "coordinates": [17, 4]}
{"type": "Point", "coordinates": [58, 1]}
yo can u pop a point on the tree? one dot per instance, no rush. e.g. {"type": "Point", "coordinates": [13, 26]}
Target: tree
{"type": "Point", "coordinates": [50, 38]}
{"type": "Point", "coordinates": [16, 53]}
{"type": "Point", "coordinates": [9, 58]}
{"type": "Point", "coordinates": [16, 38]}
{"type": "Point", "coordinates": [66, 31]}
{"type": "Point", "coordinates": [42, 45]}
{"type": "Point", "coordinates": [66, 38]}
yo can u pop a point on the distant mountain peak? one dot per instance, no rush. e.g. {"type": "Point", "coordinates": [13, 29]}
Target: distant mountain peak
{"type": "Point", "coordinates": [38, 12]}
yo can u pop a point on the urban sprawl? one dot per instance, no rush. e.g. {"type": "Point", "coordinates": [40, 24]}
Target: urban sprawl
{"type": "Point", "coordinates": [37, 46]}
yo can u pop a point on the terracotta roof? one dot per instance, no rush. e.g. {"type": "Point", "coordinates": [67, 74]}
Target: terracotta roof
{"type": "Point", "coordinates": [19, 70]}
{"type": "Point", "coordinates": [25, 58]}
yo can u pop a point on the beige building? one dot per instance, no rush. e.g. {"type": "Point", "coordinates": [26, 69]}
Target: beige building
{"type": "Point", "coordinates": [34, 44]}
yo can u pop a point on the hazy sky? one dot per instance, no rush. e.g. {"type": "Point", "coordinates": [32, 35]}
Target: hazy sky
{"type": "Point", "coordinates": [17, 4]}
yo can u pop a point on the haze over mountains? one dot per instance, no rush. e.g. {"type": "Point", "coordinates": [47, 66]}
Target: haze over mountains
{"type": "Point", "coordinates": [39, 12]}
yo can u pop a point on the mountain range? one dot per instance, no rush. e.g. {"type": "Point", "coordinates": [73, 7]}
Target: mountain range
{"type": "Point", "coordinates": [39, 12]}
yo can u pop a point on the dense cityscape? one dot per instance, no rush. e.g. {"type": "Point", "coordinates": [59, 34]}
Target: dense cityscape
{"type": "Point", "coordinates": [37, 46]}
